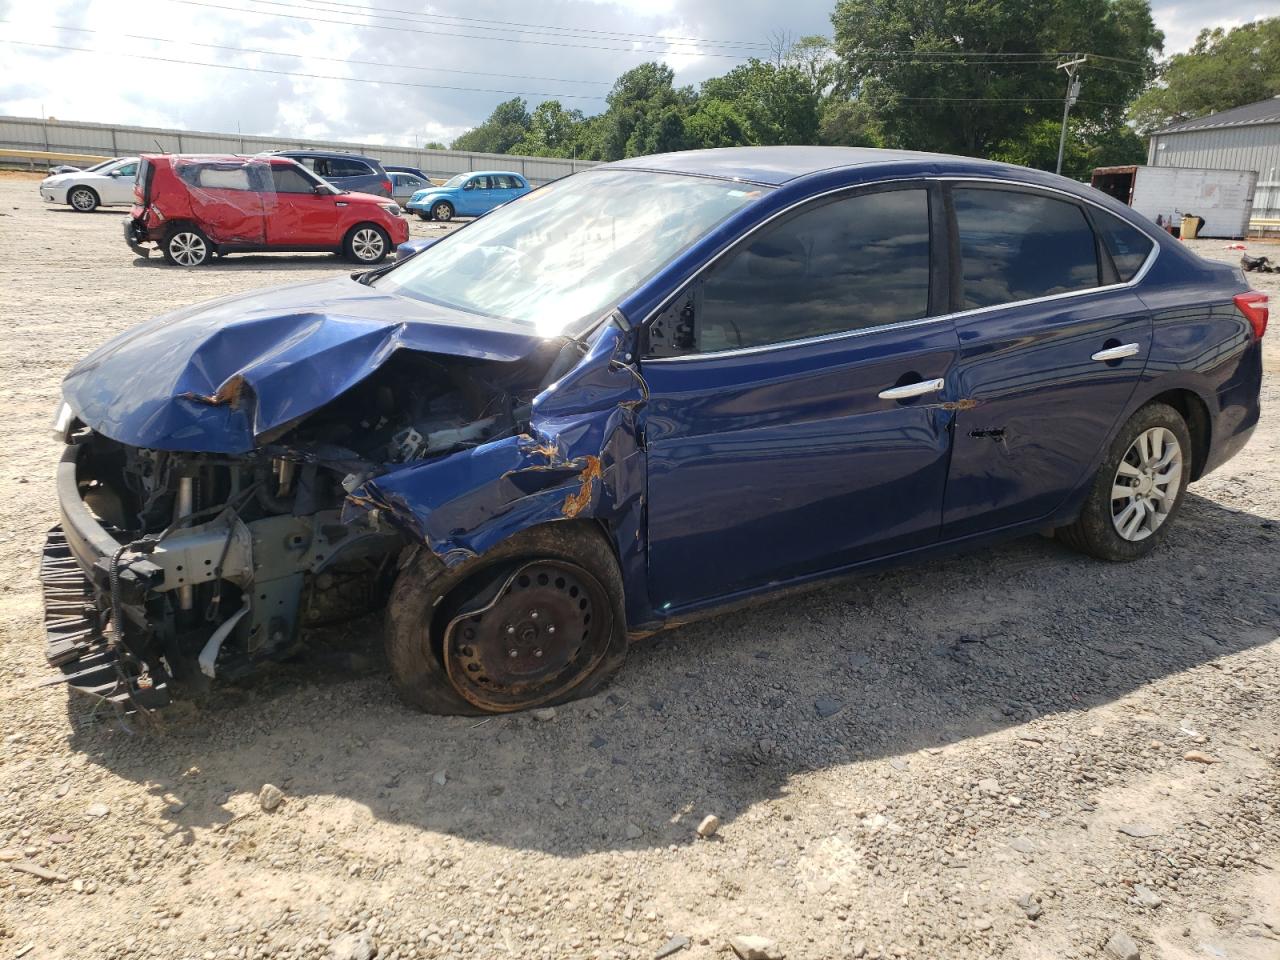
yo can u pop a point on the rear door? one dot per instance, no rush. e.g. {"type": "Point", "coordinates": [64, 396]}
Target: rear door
{"type": "Point", "coordinates": [1052, 343]}
{"type": "Point", "coordinates": [225, 200]}
{"type": "Point", "coordinates": [298, 216]}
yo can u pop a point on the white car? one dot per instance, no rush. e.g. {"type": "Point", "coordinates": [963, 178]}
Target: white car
{"type": "Point", "coordinates": [110, 183]}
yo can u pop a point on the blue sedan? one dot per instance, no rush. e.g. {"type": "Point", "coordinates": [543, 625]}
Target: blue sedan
{"type": "Point", "coordinates": [468, 195]}
{"type": "Point", "coordinates": [654, 389]}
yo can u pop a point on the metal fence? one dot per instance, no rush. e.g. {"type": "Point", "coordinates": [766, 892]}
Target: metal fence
{"type": "Point", "coordinates": [113, 140]}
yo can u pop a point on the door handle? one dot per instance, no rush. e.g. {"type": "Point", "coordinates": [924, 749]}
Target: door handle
{"type": "Point", "coordinates": [1117, 353]}
{"type": "Point", "coordinates": [917, 389]}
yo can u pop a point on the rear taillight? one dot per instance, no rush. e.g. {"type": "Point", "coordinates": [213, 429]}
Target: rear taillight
{"type": "Point", "coordinates": [1254, 307]}
{"type": "Point", "coordinates": [386, 185]}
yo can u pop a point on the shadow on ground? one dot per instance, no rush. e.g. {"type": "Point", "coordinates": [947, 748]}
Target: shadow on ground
{"type": "Point", "coordinates": [719, 715]}
{"type": "Point", "coordinates": [301, 262]}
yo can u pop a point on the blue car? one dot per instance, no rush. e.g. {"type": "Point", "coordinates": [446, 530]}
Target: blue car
{"type": "Point", "coordinates": [641, 394]}
{"type": "Point", "coordinates": [468, 195]}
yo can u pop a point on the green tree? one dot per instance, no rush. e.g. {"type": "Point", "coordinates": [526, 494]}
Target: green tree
{"type": "Point", "coordinates": [940, 75]}
{"type": "Point", "coordinates": [778, 104]}
{"type": "Point", "coordinates": [645, 114]}
{"type": "Point", "coordinates": [1223, 69]}
{"type": "Point", "coordinates": [848, 123]}
{"type": "Point", "coordinates": [716, 123]}
{"type": "Point", "coordinates": [1088, 145]}
{"type": "Point", "coordinates": [506, 127]}
{"type": "Point", "coordinates": [553, 131]}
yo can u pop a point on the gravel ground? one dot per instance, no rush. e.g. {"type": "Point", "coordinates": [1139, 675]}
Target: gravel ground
{"type": "Point", "coordinates": [1017, 753]}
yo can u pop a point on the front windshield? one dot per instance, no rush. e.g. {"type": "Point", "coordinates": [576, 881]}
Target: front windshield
{"type": "Point", "coordinates": [569, 251]}
{"type": "Point", "coordinates": [457, 181]}
{"type": "Point", "coordinates": [99, 166]}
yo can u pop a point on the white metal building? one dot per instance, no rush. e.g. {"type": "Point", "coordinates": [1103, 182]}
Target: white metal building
{"type": "Point", "coordinates": [1243, 138]}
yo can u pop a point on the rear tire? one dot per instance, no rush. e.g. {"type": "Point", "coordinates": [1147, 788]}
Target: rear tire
{"type": "Point", "coordinates": [186, 246]}
{"type": "Point", "coordinates": [1138, 490]}
{"type": "Point", "coordinates": [442, 211]}
{"type": "Point", "coordinates": [366, 244]}
{"type": "Point", "coordinates": [430, 601]}
{"type": "Point", "coordinates": [82, 200]}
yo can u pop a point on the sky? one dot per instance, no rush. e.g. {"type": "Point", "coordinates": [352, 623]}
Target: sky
{"type": "Point", "coordinates": [440, 66]}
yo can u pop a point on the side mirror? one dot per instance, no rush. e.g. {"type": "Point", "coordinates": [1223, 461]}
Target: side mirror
{"type": "Point", "coordinates": [470, 186]}
{"type": "Point", "coordinates": [320, 190]}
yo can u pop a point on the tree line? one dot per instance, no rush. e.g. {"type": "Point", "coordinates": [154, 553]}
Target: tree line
{"type": "Point", "coordinates": [974, 79]}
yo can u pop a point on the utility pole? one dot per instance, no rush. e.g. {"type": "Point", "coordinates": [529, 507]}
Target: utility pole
{"type": "Point", "coordinates": [1073, 94]}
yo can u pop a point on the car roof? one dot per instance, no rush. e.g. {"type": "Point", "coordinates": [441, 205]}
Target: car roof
{"type": "Point", "coordinates": [325, 153]}
{"type": "Point", "coordinates": [491, 173]}
{"type": "Point", "coordinates": [778, 165]}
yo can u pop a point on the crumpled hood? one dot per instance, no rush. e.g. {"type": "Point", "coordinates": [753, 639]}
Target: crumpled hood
{"type": "Point", "coordinates": [213, 377]}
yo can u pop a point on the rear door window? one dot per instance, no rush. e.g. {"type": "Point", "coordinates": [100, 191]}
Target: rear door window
{"type": "Point", "coordinates": [1129, 247]}
{"type": "Point", "coordinates": [1016, 245]}
{"type": "Point", "coordinates": [346, 167]}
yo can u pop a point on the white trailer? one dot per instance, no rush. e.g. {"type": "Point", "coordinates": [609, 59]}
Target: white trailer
{"type": "Point", "coordinates": [1224, 198]}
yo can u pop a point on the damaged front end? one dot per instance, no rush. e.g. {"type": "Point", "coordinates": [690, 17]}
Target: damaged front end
{"type": "Point", "coordinates": [176, 566]}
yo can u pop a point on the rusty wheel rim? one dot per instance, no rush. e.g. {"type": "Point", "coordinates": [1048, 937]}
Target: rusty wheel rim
{"type": "Point", "coordinates": [540, 635]}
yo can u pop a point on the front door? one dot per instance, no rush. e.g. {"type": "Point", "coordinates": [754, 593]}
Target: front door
{"type": "Point", "coordinates": [1051, 348]}
{"type": "Point", "coordinates": [118, 185]}
{"type": "Point", "coordinates": [298, 216]}
{"type": "Point", "coordinates": [794, 422]}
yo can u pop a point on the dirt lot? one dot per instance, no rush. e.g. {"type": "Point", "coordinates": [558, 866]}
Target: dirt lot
{"type": "Point", "coordinates": [989, 756]}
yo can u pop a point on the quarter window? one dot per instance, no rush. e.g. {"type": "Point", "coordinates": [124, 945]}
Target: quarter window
{"type": "Point", "coordinates": [859, 262]}
{"type": "Point", "coordinates": [1020, 246]}
{"type": "Point", "coordinates": [222, 176]}
{"type": "Point", "coordinates": [1129, 247]}
{"type": "Point", "coordinates": [346, 167]}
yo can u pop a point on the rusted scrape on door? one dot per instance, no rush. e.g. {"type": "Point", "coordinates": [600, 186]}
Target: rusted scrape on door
{"type": "Point", "coordinates": [575, 460]}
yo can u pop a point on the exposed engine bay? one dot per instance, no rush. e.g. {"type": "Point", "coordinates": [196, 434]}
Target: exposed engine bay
{"type": "Point", "coordinates": [225, 559]}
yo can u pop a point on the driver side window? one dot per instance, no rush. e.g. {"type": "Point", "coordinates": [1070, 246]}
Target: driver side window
{"type": "Point", "coordinates": [842, 265]}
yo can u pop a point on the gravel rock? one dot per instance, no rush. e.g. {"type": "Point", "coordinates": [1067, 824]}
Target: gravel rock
{"type": "Point", "coordinates": [827, 707]}
{"type": "Point", "coordinates": [543, 714]}
{"type": "Point", "coordinates": [97, 810]}
{"type": "Point", "coordinates": [270, 797]}
{"type": "Point", "coordinates": [1139, 830]}
{"type": "Point", "coordinates": [1144, 896]}
{"type": "Point", "coordinates": [634, 832]}
{"type": "Point", "coordinates": [1029, 905]}
{"type": "Point", "coordinates": [354, 946]}
{"type": "Point", "coordinates": [1197, 756]}
{"type": "Point", "coordinates": [709, 825]}
{"type": "Point", "coordinates": [672, 946]}
{"type": "Point", "coordinates": [1121, 946]}
{"type": "Point", "coordinates": [751, 947]}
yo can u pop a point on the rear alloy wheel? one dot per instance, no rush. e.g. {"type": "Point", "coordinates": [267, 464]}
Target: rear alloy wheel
{"type": "Point", "coordinates": [1137, 490]}
{"type": "Point", "coordinates": [367, 244]}
{"type": "Point", "coordinates": [442, 211]}
{"type": "Point", "coordinates": [187, 247]}
{"type": "Point", "coordinates": [83, 200]}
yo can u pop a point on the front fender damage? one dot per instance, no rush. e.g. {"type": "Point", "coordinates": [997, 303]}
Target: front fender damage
{"type": "Point", "coordinates": [581, 458]}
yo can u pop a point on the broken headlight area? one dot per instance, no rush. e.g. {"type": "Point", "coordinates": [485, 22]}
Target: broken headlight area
{"type": "Point", "coordinates": [174, 566]}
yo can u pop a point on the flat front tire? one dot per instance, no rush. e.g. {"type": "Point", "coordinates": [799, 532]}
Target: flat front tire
{"type": "Point", "coordinates": [537, 620]}
{"type": "Point", "coordinates": [1138, 490]}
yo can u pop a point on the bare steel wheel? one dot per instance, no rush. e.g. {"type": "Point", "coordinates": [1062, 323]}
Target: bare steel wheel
{"type": "Point", "coordinates": [1146, 484]}
{"type": "Point", "coordinates": [544, 629]}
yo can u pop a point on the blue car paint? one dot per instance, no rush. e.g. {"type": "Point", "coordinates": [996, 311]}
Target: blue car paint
{"type": "Point", "coordinates": [468, 203]}
{"type": "Point", "coordinates": [293, 348]}
{"type": "Point", "coordinates": [681, 462]}
{"type": "Point", "coordinates": [413, 247]}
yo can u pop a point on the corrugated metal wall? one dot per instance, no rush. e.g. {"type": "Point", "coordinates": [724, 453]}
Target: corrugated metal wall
{"type": "Point", "coordinates": [1254, 148]}
{"type": "Point", "coordinates": [110, 140]}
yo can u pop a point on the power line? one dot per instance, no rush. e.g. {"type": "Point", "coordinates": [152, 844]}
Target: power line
{"type": "Point", "coordinates": [309, 76]}
{"type": "Point", "coordinates": [418, 16]}
{"type": "Point", "coordinates": [463, 36]}
{"type": "Point", "coordinates": [307, 56]}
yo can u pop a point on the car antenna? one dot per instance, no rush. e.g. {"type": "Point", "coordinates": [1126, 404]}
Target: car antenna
{"type": "Point", "coordinates": [162, 150]}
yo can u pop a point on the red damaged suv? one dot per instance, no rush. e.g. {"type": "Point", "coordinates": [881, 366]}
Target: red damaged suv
{"type": "Point", "coordinates": [193, 207]}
